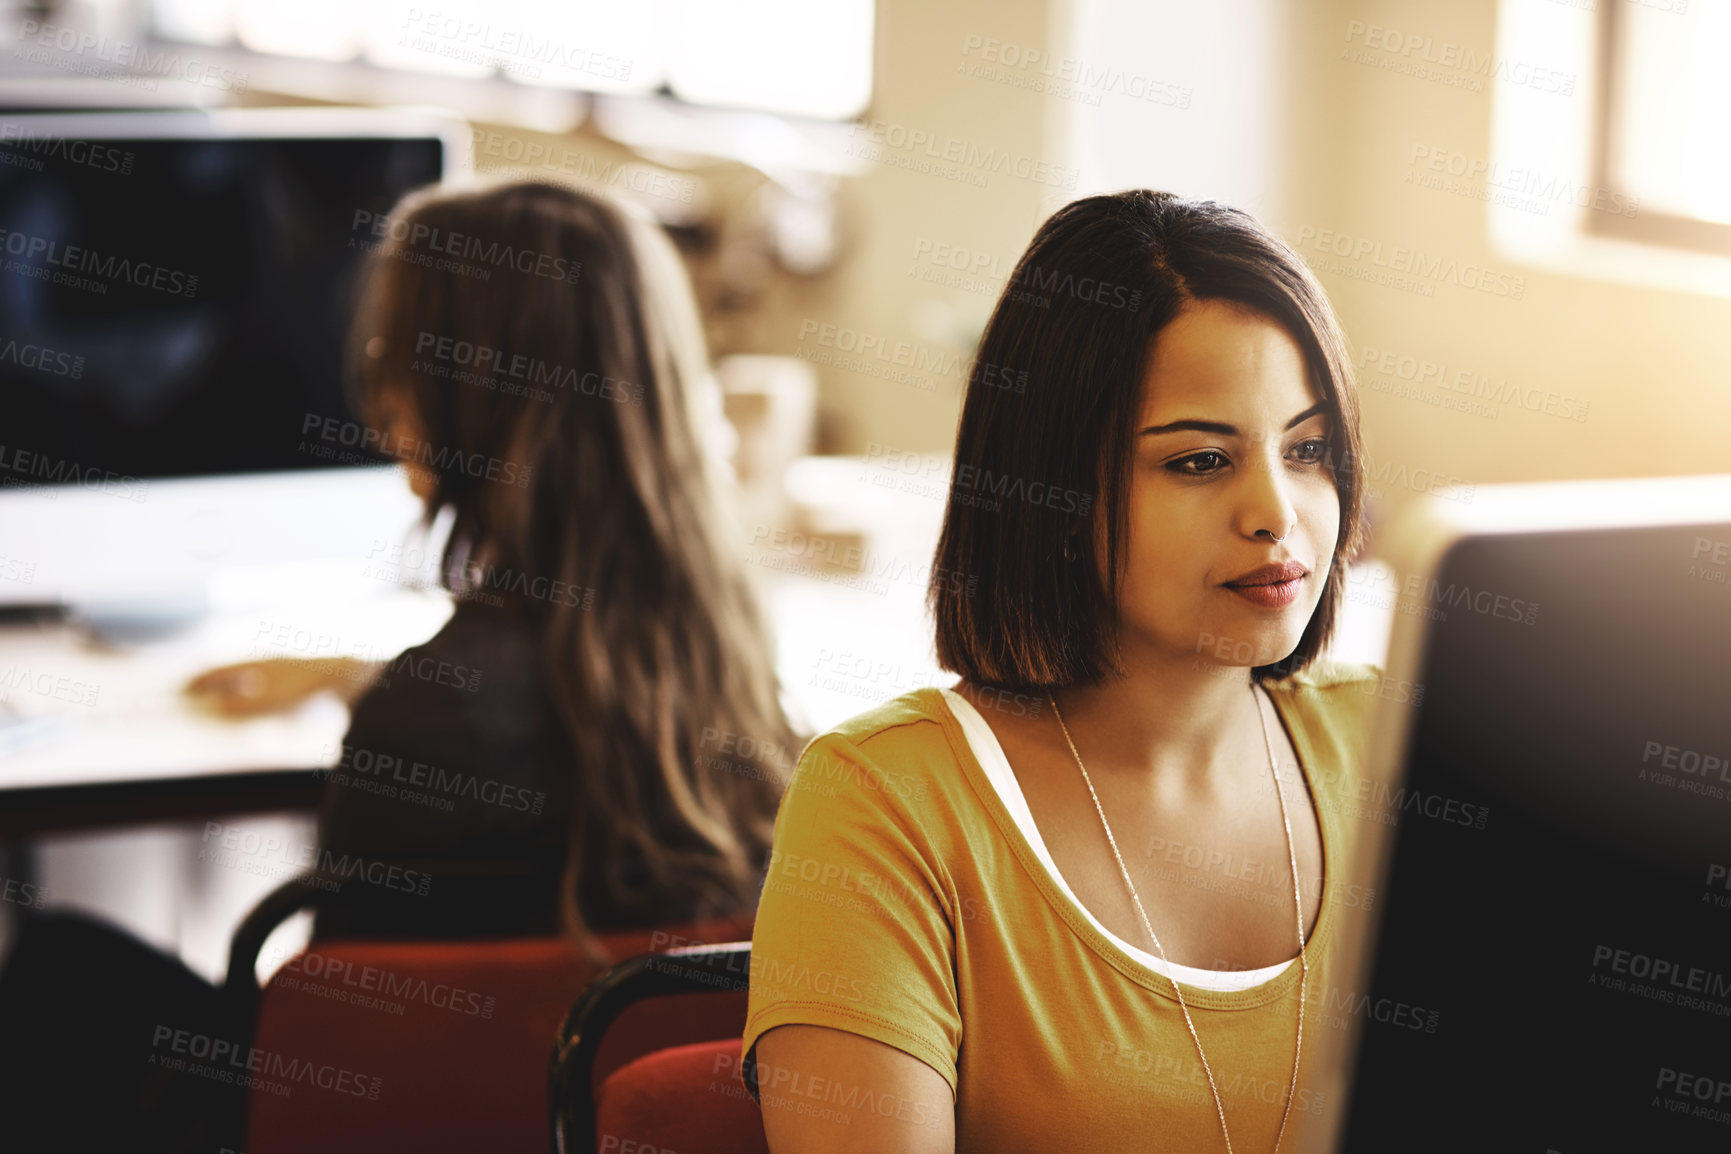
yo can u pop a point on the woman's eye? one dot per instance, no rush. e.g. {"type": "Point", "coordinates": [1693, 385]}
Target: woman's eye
{"type": "Point", "coordinates": [1310, 452]}
{"type": "Point", "coordinates": [1216, 458]}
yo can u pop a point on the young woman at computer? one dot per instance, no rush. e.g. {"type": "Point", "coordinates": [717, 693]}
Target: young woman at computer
{"type": "Point", "coordinates": [1078, 900]}
{"type": "Point", "coordinates": [534, 357]}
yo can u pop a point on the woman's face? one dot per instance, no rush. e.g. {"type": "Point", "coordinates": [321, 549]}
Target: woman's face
{"type": "Point", "coordinates": [1230, 452]}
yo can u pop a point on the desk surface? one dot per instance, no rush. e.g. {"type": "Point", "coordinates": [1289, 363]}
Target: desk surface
{"type": "Point", "coordinates": [846, 604]}
{"type": "Point", "coordinates": [95, 715]}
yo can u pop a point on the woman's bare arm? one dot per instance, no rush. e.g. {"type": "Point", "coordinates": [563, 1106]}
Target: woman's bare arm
{"type": "Point", "coordinates": [811, 1077]}
{"type": "Point", "coordinates": [275, 683]}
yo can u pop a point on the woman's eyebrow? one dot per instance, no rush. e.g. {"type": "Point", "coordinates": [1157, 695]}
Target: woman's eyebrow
{"type": "Point", "coordinates": [1224, 429]}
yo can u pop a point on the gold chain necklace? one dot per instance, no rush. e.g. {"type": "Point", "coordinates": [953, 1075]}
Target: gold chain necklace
{"type": "Point", "coordinates": [1297, 901]}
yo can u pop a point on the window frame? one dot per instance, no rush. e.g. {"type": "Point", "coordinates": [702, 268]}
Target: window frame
{"type": "Point", "coordinates": [1647, 226]}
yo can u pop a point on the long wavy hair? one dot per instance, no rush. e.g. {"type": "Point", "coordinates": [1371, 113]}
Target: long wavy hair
{"type": "Point", "coordinates": [549, 338]}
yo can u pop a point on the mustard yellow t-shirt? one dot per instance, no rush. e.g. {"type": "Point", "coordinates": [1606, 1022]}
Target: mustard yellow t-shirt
{"type": "Point", "coordinates": [904, 904]}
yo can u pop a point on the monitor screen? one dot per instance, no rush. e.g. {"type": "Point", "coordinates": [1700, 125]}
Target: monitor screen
{"type": "Point", "coordinates": [177, 307]}
{"type": "Point", "coordinates": [1558, 901]}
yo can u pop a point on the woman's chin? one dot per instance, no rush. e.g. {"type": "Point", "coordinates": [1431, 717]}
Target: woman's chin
{"type": "Point", "coordinates": [1248, 644]}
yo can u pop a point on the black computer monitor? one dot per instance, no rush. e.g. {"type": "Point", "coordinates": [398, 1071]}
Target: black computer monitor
{"type": "Point", "coordinates": [1557, 885]}
{"type": "Point", "coordinates": [175, 287]}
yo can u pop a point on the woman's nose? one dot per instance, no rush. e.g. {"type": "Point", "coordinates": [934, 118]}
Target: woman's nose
{"type": "Point", "coordinates": [1267, 503]}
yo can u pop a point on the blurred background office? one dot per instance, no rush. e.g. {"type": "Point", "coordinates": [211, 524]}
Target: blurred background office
{"type": "Point", "coordinates": [1520, 208]}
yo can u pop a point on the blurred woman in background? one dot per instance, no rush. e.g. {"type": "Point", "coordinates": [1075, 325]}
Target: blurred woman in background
{"type": "Point", "coordinates": [603, 623]}
{"type": "Point", "coordinates": [601, 602]}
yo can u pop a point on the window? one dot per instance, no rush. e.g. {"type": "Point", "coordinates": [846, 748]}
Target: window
{"type": "Point", "coordinates": [1664, 121]}
{"type": "Point", "coordinates": [1624, 178]}
{"type": "Point", "coordinates": [784, 56]}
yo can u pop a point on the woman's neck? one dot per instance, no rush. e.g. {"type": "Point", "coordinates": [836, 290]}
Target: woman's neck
{"type": "Point", "coordinates": [1186, 725]}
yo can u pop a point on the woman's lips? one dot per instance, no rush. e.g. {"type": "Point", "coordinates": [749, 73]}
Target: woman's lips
{"type": "Point", "coordinates": [1276, 596]}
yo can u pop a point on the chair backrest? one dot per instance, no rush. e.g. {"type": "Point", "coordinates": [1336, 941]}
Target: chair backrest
{"type": "Point", "coordinates": [684, 1098]}
{"type": "Point", "coordinates": [648, 1057]}
{"type": "Point", "coordinates": [427, 1046]}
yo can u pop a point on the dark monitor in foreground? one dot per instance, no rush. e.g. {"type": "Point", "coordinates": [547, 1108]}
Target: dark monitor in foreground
{"type": "Point", "coordinates": [1557, 895]}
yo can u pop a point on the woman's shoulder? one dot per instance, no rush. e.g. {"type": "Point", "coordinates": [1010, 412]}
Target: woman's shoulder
{"type": "Point", "coordinates": [1342, 690]}
{"type": "Point", "coordinates": [482, 631]}
{"type": "Point", "coordinates": [479, 648]}
{"type": "Point", "coordinates": [915, 712]}
{"type": "Point", "coordinates": [899, 753]}
{"type": "Point", "coordinates": [1336, 697]}
{"type": "Point", "coordinates": [1326, 673]}
{"type": "Point", "coordinates": [900, 729]}
{"type": "Point", "coordinates": [476, 684]}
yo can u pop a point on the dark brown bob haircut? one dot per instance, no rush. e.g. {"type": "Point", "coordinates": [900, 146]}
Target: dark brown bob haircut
{"type": "Point", "coordinates": [1051, 404]}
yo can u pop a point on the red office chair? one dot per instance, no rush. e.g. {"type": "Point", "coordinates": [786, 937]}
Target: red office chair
{"type": "Point", "coordinates": [649, 1058]}
{"type": "Point", "coordinates": [428, 1047]}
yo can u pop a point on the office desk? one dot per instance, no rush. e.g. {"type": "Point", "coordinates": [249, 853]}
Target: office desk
{"type": "Point", "coordinates": [110, 739]}
{"type": "Point", "coordinates": [116, 742]}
